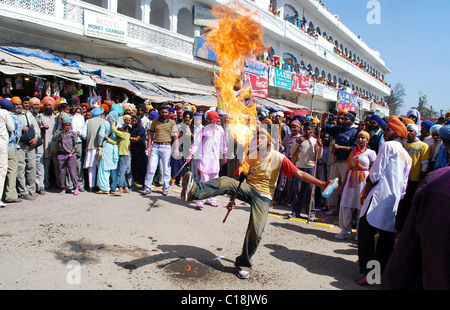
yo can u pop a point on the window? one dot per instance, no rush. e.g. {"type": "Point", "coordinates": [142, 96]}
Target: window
{"type": "Point", "coordinates": [159, 14]}
{"type": "Point", "coordinates": [185, 25]}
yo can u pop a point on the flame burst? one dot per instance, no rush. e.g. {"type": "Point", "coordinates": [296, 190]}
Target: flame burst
{"type": "Point", "coordinates": [237, 36]}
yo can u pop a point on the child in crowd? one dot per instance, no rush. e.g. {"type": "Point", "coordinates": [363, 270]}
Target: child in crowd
{"type": "Point", "coordinates": [123, 141]}
{"type": "Point", "coordinates": [67, 157]}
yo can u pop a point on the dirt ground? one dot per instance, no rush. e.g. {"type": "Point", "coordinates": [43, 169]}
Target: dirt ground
{"type": "Point", "coordinates": [105, 242]}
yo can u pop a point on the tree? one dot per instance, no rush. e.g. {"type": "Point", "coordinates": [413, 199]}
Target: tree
{"type": "Point", "coordinates": [422, 106]}
{"type": "Point", "coordinates": [396, 100]}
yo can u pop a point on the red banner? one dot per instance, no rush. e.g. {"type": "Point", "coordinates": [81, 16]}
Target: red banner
{"type": "Point", "coordinates": [346, 107]}
{"type": "Point", "coordinates": [259, 84]}
{"type": "Point", "coordinates": [300, 84]}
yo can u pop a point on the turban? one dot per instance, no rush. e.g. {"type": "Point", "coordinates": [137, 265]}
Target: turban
{"type": "Point", "coordinates": [435, 128]}
{"type": "Point", "coordinates": [179, 112]}
{"type": "Point", "coordinates": [171, 109]}
{"type": "Point", "coordinates": [213, 115]}
{"type": "Point", "coordinates": [193, 108]}
{"type": "Point", "coordinates": [379, 121]}
{"type": "Point", "coordinates": [267, 120]}
{"type": "Point", "coordinates": [314, 120]}
{"type": "Point", "coordinates": [85, 105]}
{"type": "Point", "coordinates": [48, 99]}
{"type": "Point", "coordinates": [364, 133]}
{"type": "Point", "coordinates": [341, 113]}
{"type": "Point", "coordinates": [427, 124]}
{"type": "Point", "coordinates": [350, 116]}
{"type": "Point", "coordinates": [34, 100]}
{"type": "Point", "coordinates": [105, 107]}
{"type": "Point", "coordinates": [108, 102]}
{"type": "Point", "coordinates": [148, 107]}
{"type": "Point", "coordinates": [153, 115]}
{"type": "Point", "coordinates": [264, 132]}
{"type": "Point", "coordinates": [66, 119]}
{"type": "Point", "coordinates": [15, 99]}
{"type": "Point", "coordinates": [6, 104]}
{"type": "Point", "coordinates": [398, 127]}
{"type": "Point", "coordinates": [280, 114]}
{"type": "Point", "coordinates": [447, 115]}
{"type": "Point", "coordinates": [444, 132]}
{"type": "Point", "coordinates": [407, 121]}
{"type": "Point", "coordinates": [118, 108]}
{"type": "Point", "coordinates": [413, 126]}
{"type": "Point", "coordinates": [58, 102]}
{"type": "Point", "coordinates": [296, 123]}
{"type": "Point", "coordinates": [197, 114]}
{"type": "Point", "coordinates": [96, 112]}
{"type": "Point", "coordinates": [416, 114]}
{"type": "Point", "coordinates": [128, 106]}
{"type": "Point", "coordinates": [186, 106]}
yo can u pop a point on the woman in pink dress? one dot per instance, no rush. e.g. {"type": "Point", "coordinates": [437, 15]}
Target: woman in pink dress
{"type": "Point", "coordinates": [359, 163]}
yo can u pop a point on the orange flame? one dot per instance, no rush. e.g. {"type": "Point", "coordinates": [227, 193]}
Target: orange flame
{"type": "Point", "coordinates": [237, 36]}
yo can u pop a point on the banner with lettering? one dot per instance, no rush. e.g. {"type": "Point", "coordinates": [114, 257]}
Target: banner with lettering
{"type": "Point", "coordinates": [280, 78]}
{"type": "Point", "coordinates": [300, 84]}
{"type": "Point", "coordinates": [346, 101]}
{"type": "Point", "coordinates": [255, 74]}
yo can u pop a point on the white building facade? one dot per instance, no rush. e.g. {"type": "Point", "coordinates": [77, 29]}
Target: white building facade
{"type": "Point", "coordinates": [160, 37]}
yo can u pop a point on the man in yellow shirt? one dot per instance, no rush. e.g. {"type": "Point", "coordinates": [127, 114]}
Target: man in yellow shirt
{"type": "Point", "coordinates": [263, 167]}
{"type": "Point", "coordinates": [420, 154]}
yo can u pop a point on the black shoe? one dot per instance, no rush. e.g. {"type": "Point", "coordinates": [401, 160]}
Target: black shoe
{"type": "Point", "coordinates": [13, 200]}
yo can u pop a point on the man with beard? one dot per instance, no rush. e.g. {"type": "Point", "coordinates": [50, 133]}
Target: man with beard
{"type": "Point", "coordinates": [262, 168]}
{"type": "Point", "coordinates": [345, 137]}
{"type": "Point", "coordinates": [443, 149]}
{"type": "Point", "coordinates": [11, 195]}
{"type": "Point", "coordinates": [376, 125]}
{"type": "Point", "coordinates": [159, 146]}
{"type": "Point", "coordinates": [77, 127]}
{"type": "Point", "coordinates": [48, 123]}
{"type": "Point", "coordinates": [34, 109]}
{"type": "Point", "coordinates": [26, 169]}
{"type": "Point", "coordinates": [385, 187]}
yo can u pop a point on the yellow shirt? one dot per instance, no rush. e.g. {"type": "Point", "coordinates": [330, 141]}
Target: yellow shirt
{"type": "Point", "coordinates": [418, 151]}
{"type": "Point", "coordinates": [263, 174]}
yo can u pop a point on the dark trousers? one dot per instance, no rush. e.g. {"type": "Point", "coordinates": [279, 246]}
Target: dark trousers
{"type": "Point", "coordinates": [369, 250]}
{"type": "Point", "coordinates": [258, 213]}
{"type": "Point", "coordinates": [304, 195]}
{"type": "Point", "coordinates": [405, 205]}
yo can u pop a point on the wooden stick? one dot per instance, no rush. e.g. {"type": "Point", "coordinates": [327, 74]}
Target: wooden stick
{"type": "Point", "coordinates": [232, 203]}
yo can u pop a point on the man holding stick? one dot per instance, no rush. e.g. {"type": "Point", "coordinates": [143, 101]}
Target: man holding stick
{"type": "Point", "coordinates": [262, 167]}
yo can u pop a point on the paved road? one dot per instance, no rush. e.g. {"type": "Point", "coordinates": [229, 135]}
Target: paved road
{"type": "Point", "coordinates": [94, 241]}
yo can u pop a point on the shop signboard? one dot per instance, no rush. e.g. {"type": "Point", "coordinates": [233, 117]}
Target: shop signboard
{"type": "Point", "coordinates": [104, 27]}
{"type": "Point", "coordinates": [300, 84]}
{"type": "Point", "coordinates": [255, 74]}
{"type": "Point", "coordinates": [280, 78]}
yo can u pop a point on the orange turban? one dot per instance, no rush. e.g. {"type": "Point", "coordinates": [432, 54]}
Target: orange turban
{"type": "Point", "coordinates": [265, 132]}
{"type": "Point", "coordinates": [51, 100]}
{"type": "Point", "coordinates": [15, 99]}
{"type": "Point", "coordinates": [105, 107]}
{"type": "Point", "coordinates": [364, 133]}
{"type": "Point", "coordinates": [341, 113]}
{"type": "Point", "coordinates": [86, 106]}
{"type": "Point", "coordinates": [398, 127]}
{"type": "Point", "coordinates": [108, 102]}
{"type": "Point", "coordinates": [407, 121]}
{"type": "Point", "coordinates": [34, 100]}
{"type": "Point", "coordinates": [267, 120]}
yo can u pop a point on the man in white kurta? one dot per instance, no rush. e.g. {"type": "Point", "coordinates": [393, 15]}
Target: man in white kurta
{"type": "Point", "coordinates": [209, 148]}
{"type": "Point", "coordinates": [385, 187]}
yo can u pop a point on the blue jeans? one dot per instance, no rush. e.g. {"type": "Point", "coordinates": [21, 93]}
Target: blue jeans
{"type": "Point", "coordinates": [259, 210]}
{"type": "Point", "coordinates": [163, 152]}
{"type": "Point", "coordinates": [122, 170]}
{"type": "Point", "coordinates": [304, 195]}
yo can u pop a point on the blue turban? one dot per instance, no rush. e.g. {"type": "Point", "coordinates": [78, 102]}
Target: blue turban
{"type": "Point", "coordinates": [379, 121]}
{"type": "Point", "coordinates": [198, 114]}
{"type": "Point", "coordinates": [153, 115]}
{"type": "Point", "coordinates": [7, 104]}
{"type": "Point", "coordinates": [444, 132]}
{"type": "Point", "coordinates": [96, 112]}
{"type": "Point", "coordinates": [117, 108]}
{"type": "Point", "coordinates": [350, 116]}
{"type": "Point", "coordinates": [427, 124]}
{"type": "Point", "coordinates": [435, 128]}
{"type": "Point", "coordinates": [67, 120]}
{"type": "Point", "coordinates": [171, 109]}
